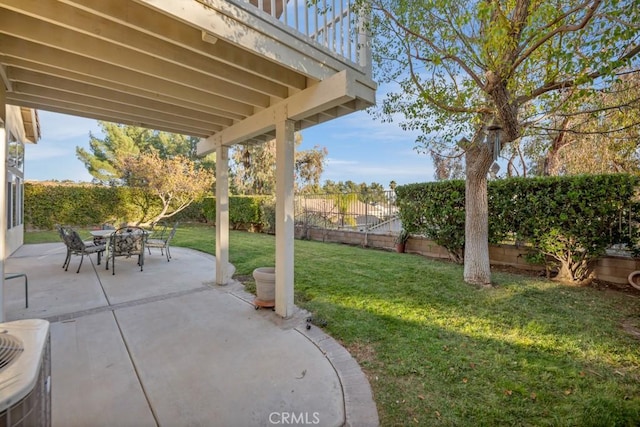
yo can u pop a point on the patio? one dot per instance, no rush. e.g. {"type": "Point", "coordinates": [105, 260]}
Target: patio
{"type": "Point", "coordinates": [167, 346]}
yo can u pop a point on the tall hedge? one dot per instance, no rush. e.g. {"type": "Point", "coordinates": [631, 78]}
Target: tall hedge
{"type": "Point", "coordinates": [92, 205]}
{"type": "Point", "coordinates": [47, 205]}
{"type": "Point", "coordinates": [436, 210]}
{"type": "Point", "coordinates": [245, 212]}
{"type": "Point", "coordinates": [568, 221]}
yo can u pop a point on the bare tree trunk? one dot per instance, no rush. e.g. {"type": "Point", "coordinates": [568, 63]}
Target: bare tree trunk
{"type": "Point", "coordinates": [477, 269]}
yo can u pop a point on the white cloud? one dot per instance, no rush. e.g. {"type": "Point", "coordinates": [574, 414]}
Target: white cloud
{"type": "Point", "coordinates": [336, 162]}
{"type": "Point", "coordinates": [61, 127]}
{"type": "Point", "coordinates": [46, 151]}
{"type": "Point", "coordinates": [54, 157]}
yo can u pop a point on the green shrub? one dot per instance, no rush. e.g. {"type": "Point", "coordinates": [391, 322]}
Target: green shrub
{"type": "Point", "coordinates": [268, 215]}
{"type": "Point", "coordinates": [569, 221]}
{"type": "Point", "coordinates": [435, 210]}
{"type": "Point", "coordinates": [86, 205]}
{"type": "Point", "coordinates": [46, 205]}
{"type": "Point", "coordinates": [245, 212]}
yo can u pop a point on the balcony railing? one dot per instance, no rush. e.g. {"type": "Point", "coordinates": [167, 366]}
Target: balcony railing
{"type": "Point", "coordinates": [332, 23]}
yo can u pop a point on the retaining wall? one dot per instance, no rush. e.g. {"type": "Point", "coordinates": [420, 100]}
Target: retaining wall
{"type": "Point", "coordinates": [613, 269]}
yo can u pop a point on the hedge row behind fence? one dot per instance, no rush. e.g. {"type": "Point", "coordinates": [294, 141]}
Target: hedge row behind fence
{"type": "Point", "coordinates": [87, 205]}
{"type": "Point", "coordinates": [568, 221]}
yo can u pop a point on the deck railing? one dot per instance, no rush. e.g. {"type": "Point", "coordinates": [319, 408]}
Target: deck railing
{"type": "Point", "coordinates": [332, 23]}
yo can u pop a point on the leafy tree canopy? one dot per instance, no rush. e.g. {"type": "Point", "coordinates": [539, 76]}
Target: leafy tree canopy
{"type": "Point", "coordinates": [101, 160]}
{"type": "Point", "coordinates": [367, 193]}
{"type": "Point", "coordinates": [175, 181]}
{"type": "Point", "coordinates": [254, 167]}
{"type": "Point", "coordinates": [489, 71]}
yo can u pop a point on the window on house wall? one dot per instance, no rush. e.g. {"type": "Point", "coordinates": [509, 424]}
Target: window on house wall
{"type": "Point", "coordinates": [17, 202]}
{"type": "Point", "coordinates": [15, 182]}
{"type": "Point", "coordinates": [15, 156]}
{"type": "Point", "coordinates": [9, 201]}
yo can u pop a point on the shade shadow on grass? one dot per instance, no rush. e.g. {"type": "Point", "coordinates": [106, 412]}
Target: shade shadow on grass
{"type": "Point", "coordinates": [440, 352]}
{"type": "Point", "coordinates": [436, 375]}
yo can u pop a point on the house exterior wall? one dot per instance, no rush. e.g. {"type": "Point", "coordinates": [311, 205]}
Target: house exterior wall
{"type": "Point", "coordinates": [614, 269]}
{"type": "Point", "coordinates": [14, 238]}
{"type": "Point", "coordinates": [14, 191]}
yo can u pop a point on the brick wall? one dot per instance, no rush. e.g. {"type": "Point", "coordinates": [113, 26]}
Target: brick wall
{"type": "Point", "coordinates": [613, 269]}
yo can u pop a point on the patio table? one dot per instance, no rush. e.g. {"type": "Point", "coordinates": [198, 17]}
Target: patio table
{"type": "Point", "coordinates": [102, 236]}
{"type": "Point", "coordinates": [106, 236]}
{"type": "Point", "coordinates": [101, 233]}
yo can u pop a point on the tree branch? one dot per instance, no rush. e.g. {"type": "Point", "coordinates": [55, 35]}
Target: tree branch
{"type": "Point", "coordinates": [578, 132]}
{"type": "Point", "coordinates": [561, 29]}
{"type": "Point", "coordinates": [437, 49]}
{"type": "Point", "coordinates": [570, 82]}
{"type": "Point", "coordinates": [425, 93]}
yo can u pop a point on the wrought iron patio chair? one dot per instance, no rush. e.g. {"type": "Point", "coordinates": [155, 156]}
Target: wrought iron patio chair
{"type": "Point", "coordinates": [126, 241]}
{"type": "Point", "coordinates": [76, 246]}
{"type": "Point", "coordinates": [162, 241]}
{"type": "Point", "coordinates": [61, 232]}
{"type": "Point", "coordinates": [159, 230]}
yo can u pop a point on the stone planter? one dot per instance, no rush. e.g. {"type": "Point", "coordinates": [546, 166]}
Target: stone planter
{"type": "Point", "coordinates": [265, 278]}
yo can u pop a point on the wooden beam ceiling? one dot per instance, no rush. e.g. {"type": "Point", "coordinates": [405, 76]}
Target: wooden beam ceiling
{"type": "Point", "coordinates": [146, 62]}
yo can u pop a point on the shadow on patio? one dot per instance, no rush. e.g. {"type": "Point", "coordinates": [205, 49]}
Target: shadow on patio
{"type": "Point", "coordinates": [167, 347]}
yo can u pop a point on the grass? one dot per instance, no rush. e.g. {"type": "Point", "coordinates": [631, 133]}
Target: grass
{"type": "Point", "coordinates": [437, 351]}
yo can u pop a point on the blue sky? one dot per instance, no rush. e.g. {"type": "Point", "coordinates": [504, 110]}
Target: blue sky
{"type": "Point", "coordinates": [361, 149]}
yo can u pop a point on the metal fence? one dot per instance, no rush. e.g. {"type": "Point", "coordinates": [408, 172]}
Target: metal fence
{"type": "Point", "coordinates": [377, 213]}
{"type": "Point", "coordinates": [374, 212]}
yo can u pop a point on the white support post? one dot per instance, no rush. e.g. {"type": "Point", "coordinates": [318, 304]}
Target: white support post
{"type": "Point", "coordinates": [285, 150]}
{"type": "Point", "coordinates": [222, 214]}
{"type": "Point", "coordinates": [3, 194]}
{"type": "Point", "coordinates": [363, 48]}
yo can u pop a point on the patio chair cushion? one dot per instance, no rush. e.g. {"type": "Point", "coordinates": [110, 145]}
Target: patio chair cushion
{"type": "Point", "coordinates": [126, 241]}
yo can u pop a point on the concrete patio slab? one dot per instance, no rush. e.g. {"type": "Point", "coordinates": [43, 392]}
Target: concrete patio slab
{"type": "Point", "coordinates": [93, 380]}
{"type": "Point", "coordinates": [168, 347]}
{"type": "Point", "coordinates": [187, 270]}
{"type": "Point", "coordinates": [52, 290]}
{"type": "Point", "coordinates": [256, 375]}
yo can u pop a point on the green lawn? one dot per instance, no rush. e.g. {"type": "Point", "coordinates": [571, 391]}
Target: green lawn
{"type": "Point", "coordinates": [439, 352]}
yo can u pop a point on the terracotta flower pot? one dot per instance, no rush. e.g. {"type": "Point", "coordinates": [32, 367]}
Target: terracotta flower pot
{"type": "Point", "coordinates": [265, 278]}
{"type": "Point", "coordinates": [634, 279]}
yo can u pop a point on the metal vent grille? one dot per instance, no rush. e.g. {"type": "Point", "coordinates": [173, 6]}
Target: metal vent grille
{"type": "Point", "coordinates": [10, 348]}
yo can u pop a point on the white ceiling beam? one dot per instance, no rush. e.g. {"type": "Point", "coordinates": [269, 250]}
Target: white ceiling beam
{"type": "Point", "coordinates": [89, 24]}
{"type": "Point", "coordinates": [84, 100]}
{"type": "Point", "coordinates": [328, 93]}
{"type": "Point", "coordinates": [22, 49]}
{"type": "Point", "coordinates": [4, 78]}
{"type": "Point", "coordinates": [43, 80]}
{"type": "Point", "coordinates": [160, 25]}
{"type": "Point", "coordinates": [47, 34]}
{"type": "Point", "coordinates": [96, 113]}
{"type": "Point", "coordinates": [235, 24]}
{"type": "Point", "coordinates": [17, 65]}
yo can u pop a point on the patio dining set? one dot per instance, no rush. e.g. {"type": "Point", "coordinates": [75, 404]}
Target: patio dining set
{"type": "Point", "coordinates": [127, 241]}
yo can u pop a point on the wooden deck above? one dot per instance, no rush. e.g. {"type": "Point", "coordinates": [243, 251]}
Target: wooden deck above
{"type": "Point", "coordinates": [214, 69]}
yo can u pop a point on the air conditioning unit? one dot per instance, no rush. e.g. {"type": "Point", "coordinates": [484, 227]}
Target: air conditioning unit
{"type": "Point", "coordinates": [25, 373]}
